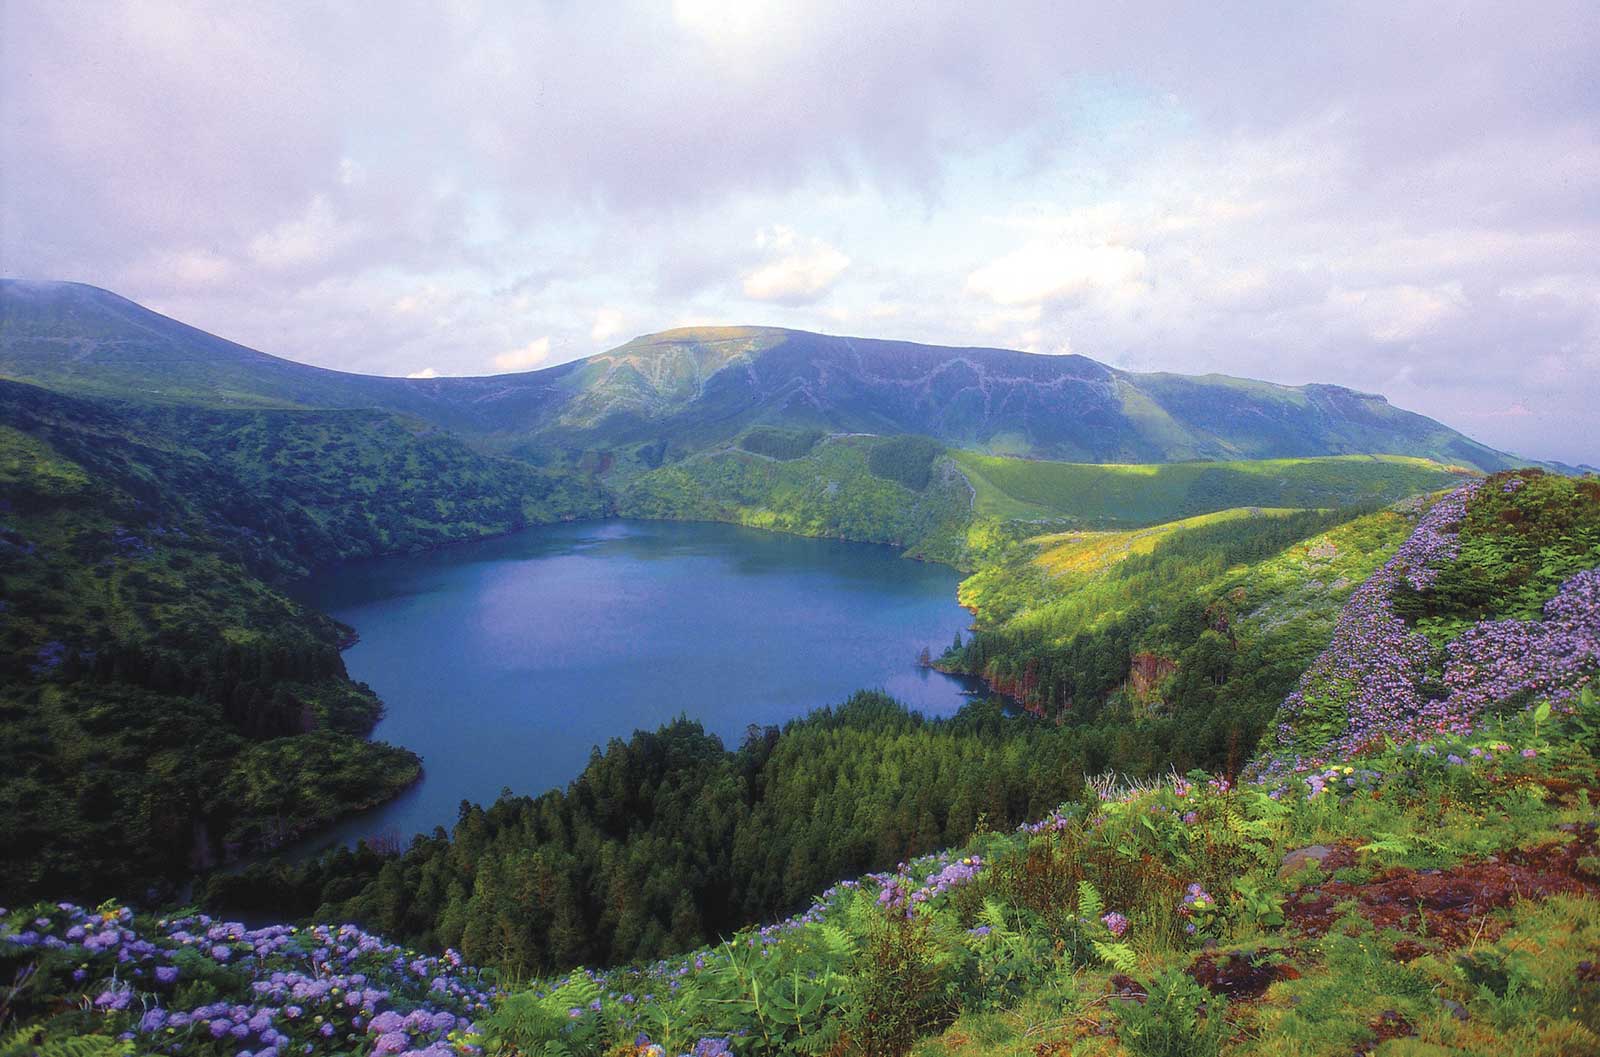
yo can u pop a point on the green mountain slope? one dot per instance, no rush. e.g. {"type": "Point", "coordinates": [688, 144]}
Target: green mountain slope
{"type": "Point", "coordinates": [1185, 635]}
{"type": "Point", "coordinates": [700, 387]}
{"type": "Point", "coordinates": [161, 706]}
{"type": "Point", "coordinates": [1112, 494]}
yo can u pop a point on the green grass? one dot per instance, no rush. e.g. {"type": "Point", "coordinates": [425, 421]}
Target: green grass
{"type": "Point", "coordinates": [858, 488]}
{"type": "Point", "coordinates": [1197, 627]}
{"type": "Point", "coordinates": [1081, 552]}
{"type": "Point", "coordinates": [1152, 493]}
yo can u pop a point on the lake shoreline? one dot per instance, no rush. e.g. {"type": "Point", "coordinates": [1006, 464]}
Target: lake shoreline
{"type": "Point", "coordinates": [311, 591]}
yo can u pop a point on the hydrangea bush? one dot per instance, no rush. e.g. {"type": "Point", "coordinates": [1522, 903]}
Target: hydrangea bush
{"type": "Point", "coordinates": [195, 985]}
{"type": "Point", "coordinates": [1382, 678]}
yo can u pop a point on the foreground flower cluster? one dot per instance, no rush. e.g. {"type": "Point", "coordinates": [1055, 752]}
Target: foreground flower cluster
{"type": "Point", "coordinates": [198, 985]}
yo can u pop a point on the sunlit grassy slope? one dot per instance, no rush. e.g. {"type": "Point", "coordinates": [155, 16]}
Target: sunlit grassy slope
{"type": "Point", "coordinates": [842, 487]}
{"type": "Point", "coordinates": [829, 486]}
{"type": "Point", "coordinates": [1150, 493]}
{"type": "Point", "coordinates": [1090, 551]}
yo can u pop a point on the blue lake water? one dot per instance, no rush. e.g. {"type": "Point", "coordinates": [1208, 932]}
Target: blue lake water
{"type": "Point", "coordinates": [504, 662]}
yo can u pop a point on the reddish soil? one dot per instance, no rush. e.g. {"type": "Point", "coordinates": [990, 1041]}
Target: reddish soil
{"type": "Point", "coordinates": [1451, 907]}
{"type": "Point", "coordinates": [1125, 986]}
{"type": "Point", "coordinates": [1240, 975]}
{"type": "Point", "coordinates": [1390, 1025]}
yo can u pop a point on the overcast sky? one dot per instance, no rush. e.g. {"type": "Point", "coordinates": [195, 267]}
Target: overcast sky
{"type": "Point", "coordinates": [1403, 198]}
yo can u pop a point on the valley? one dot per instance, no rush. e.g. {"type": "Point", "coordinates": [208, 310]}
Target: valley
{"type": "Point", "coordinates": [1221, 648]}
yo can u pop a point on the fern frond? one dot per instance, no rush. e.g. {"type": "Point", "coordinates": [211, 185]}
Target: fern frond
{"type": "Point", "coordinates": [1389, 844]}
{"type": "Point", "coordinates": [1090, 905]}
{"type": "Point", "coordinates": [836, 941]}
{"type": "Point", "coordinates": [1119, 956]}
{"type": "Point", "coordinates": [28, 1041]}
{"type": "Point", "coordinates": [824, 1039]}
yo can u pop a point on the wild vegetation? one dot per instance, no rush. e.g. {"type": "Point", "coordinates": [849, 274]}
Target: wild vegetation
{"type": "Point", "coordinates": [164, 707]}
{"type": "Point", "coordinates": [1438, 891]}
{"type": "Point", "coordinates": [669, 839]}
{"type": "Point", "coordinates": [958, 507]}
{"type": "Point", "coordinates": [1435, 897]}
{"type": "Point", "coordinates": [1190, 635]}
{"type": "Point", "coordinates": [895, 490]}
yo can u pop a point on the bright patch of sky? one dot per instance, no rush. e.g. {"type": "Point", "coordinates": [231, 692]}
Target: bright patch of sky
{"type": "Point", "coordinates": [1367, 194]}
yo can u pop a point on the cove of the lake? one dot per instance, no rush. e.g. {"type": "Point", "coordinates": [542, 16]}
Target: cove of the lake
{"type": "Point", "coordinates": [504, 662]}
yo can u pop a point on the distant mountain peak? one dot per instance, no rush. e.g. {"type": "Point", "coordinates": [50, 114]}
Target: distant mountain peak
{"type": "Point", "coordinates": [702, 386]}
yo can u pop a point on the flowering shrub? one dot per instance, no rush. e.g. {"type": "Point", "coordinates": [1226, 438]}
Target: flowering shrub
{"type": "Point", "coordinates": [1199, 910]}
{"type": "Point", "coordinates": [1382, 679]}
{"type": "Point", "coordinates": [194, 985]}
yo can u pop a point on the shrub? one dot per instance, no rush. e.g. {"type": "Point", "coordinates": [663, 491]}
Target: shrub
{"type": "Point", "coordinates": [904, 460]}
{"type": "Point", "coordinates": [783, 444]}
{"type": "Point", "coordinates": [898, 989]}
{"type": "Point", "coordinates": [1179, 1018]}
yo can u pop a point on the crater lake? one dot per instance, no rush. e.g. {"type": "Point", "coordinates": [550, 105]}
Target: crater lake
{"type": "Point", "coordinates": [504, 662]}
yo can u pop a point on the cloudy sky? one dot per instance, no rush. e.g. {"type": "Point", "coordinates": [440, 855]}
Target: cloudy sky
{"type": "Point", "coordinates": [1403, 198]}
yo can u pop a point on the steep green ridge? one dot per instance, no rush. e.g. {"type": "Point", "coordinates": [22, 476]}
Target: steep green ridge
{"type": "Point", "coordinates": [1148, 494]}
{"type": "Point", "coordinates": [163, 706]}
{"type": "Point", "coordinates": [336, 485]}
{"type": "Point", "coordinates": [1195, 641]}
{"type": "Point", "coordinates": [698, 388]}
{"type": "Point", "coordinates": [863, 488]}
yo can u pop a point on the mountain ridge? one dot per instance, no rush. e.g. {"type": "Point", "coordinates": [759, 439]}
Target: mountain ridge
{"type": "Point", "coordinates": [703, 386]}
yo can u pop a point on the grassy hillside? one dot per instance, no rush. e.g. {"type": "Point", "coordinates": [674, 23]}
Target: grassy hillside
{"type": "Point", "coordinates": [1194, 630]}
{"type": "Point", "coordinates": [882, 490]}
{"type": "Point", "coordinates": [700, 388]}
{"type": "Point", "coordinates": [1150, 494]}
{"type": "Point", "coordinates": [1062, 553]}
{"type": "Point", "coordinates": [956, 506]}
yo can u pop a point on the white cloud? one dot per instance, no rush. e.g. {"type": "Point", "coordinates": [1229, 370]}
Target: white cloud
{"type": "Point", "coordinates": [803, 269]}
{"type": "Point", "coordinates": [526, 358]}
{"type": "Point", "coordinates": [1515, 409]}
{"type": "Point", "coordinates": [1577, 290]}
{"type": "Point", "coordinates": [1403, 312]}
{"type": "Point", "coordinates": [306, 239]}
{"type": "Point", "coordinates": [1301, 216]}
{"type": "Point", "coordinates": [351, 172]}
{"type": "Point", "coordinates": [1044, 272]}
{"type": "Point", "coordinates": [195, 267]}
{"type": "Point", "coordinates": [426, 372]}
{"type": "Point", "coordinates": [608, 323]}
